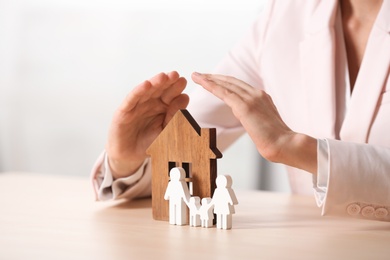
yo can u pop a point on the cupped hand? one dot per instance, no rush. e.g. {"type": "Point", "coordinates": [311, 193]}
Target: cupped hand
{"type": "Point", "coordinates": [140, 119]}
{"type": "Point", "coordinates": [257, 113]}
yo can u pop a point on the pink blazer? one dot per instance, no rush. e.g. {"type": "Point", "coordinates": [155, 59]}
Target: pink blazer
{"type": "Point", "coordinates": [291, 53]}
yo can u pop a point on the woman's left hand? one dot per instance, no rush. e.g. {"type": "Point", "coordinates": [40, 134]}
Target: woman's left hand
{"type": "Point", "coordinates": [257, 113]}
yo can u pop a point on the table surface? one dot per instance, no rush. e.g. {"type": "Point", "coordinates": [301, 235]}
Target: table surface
{"type": "Point", "coordinates": [56, 217]}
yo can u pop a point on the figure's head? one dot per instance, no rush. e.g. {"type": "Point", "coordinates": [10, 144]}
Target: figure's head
{"type": "Point", "coordinates": [224, 181]}
{"type": "Point", "coordinates": [177, 174]}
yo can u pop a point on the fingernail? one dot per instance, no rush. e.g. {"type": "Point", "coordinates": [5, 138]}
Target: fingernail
{"type": "Point", "coordinates": [197, 74]}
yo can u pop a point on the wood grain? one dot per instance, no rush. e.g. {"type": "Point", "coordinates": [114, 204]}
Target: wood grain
{"type": "Point", "coordinates": [183, 141]}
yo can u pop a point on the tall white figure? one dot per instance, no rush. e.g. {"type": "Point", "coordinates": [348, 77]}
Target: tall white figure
{"type": "Point", "coordinates": [224, 200]}
{"type": "Point", "coordinates": [178, 195]}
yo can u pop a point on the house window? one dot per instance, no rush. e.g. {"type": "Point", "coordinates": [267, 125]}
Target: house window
{"type": "Point", "coordinates": [187, 167]}
{"type": "Point", "coordinates": [171, 165]}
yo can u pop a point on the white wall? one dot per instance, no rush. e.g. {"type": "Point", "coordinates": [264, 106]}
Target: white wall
{"type": "Point", "coordinates": [65, 66]}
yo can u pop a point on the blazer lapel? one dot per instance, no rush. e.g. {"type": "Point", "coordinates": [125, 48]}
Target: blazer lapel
{"type": "Point", "coordinates": [317, 57]}
{"type": "Point", "coordinates": [373, 72]}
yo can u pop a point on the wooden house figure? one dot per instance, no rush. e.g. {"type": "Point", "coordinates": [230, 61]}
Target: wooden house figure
{"type": "Point", "coordinates": [182, 143]}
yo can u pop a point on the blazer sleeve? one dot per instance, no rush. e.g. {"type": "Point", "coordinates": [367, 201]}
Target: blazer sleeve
{"type": "Point", "coordinates": [134, 186]}
{"type": "Point", "coordinates": [359, 181]}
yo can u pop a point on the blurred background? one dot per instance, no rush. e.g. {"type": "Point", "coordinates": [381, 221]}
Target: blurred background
{"type": "Point", "coordinates": [66, 65]}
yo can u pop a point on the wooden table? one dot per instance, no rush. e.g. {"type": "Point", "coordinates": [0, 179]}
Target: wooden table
{"type": "Point", "coordinates": [54, 217]}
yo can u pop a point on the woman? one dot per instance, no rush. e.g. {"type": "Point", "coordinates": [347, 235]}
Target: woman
{"type": "Point", "coordinates": [326, 66]}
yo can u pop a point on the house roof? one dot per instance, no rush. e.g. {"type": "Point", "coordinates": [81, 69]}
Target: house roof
{"type": "Point", "coordinates": [183, 129]}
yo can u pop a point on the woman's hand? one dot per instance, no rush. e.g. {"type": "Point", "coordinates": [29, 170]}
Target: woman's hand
{"type": "Point", "coordinates": [257, 113]}
{"type": "Point", "coordinates": [140, 119]}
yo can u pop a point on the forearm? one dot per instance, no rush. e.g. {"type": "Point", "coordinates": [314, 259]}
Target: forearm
{"type": "Point", "coordinates": [123, 168]}
{"type": "Point", "coordinates": [297, 150]}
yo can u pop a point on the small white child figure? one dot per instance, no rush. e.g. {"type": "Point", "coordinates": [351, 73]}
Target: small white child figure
{"type": "Point", "coordinates": [194, 206]}
{"type": "Point", "coordinates": [178, 195]}
{"type": "Point", "coordinates": [224, 200]}
{"type": "Point", "coordinates": [206, 213]}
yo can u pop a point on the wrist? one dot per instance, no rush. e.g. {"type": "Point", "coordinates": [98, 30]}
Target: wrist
{"type": "Point", "coordinates": [299, 151]}
{"type": "Point", "coordinates": [123, 168]}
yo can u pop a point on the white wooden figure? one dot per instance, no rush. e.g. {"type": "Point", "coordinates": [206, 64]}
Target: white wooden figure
{"type": "Point", "coordinates": [178, 195]}
{"type": "Point", "coordinates": [194, 206]}
{"type": "Point", "coordinates": [206, 213]}
{"type": "Point", "coordinates": [224, 200]}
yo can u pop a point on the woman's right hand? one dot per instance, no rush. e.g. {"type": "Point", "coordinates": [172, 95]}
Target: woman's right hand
{"type": "Point", "coordinates": [140, 119]}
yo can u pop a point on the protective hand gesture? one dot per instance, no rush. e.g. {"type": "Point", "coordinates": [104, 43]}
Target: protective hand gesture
{"type": "Point", "coordinates": [257, 113]}
{"type": "Point", "coordinates": [140, 118]}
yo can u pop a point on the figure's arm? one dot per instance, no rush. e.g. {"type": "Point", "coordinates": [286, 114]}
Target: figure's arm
{"type": "Point", "coordinates": [185, 193]}
{"type": "Point", "coordinates": [167, 193]}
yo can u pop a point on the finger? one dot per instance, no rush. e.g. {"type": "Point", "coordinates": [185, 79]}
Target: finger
{"type": "Point", "coordinates": [158, 82]}
{"type": "Point", "coordinates": [222, 91]}
{"type": "Point", "coordinates": [156, 108]}
{"type": "Point", "coordinates": [173, 75]}
{"type": "Point", "coordinates": [174, 90]}
{"type": "Point", "coordinates": [160, 87]}
{"type": "Point", "coordinates": [180, 102]}
{"type": "Point", "coordinates": [147, 89]}
{"type": "Point", "coordinates": [235, 97]}
{"type": "Point", "coordinates": [135, 96]}
{"type": "Point", "coordinates": [229, 80]}
{"type": "Point", "coordinates": [163, 80]}
{"type": "Point", "coordinates": [231, 87]}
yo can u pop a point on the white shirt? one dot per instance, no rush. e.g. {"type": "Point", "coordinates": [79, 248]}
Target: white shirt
{"type": "Point", "coordinates": [320, 181]}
